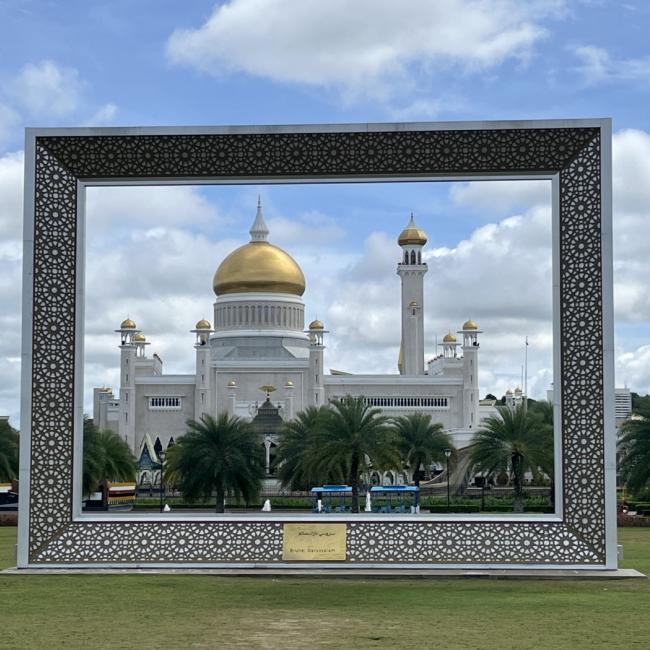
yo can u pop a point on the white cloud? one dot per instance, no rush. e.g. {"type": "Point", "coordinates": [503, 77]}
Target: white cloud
{"type": "Point", "coordinates": [364, 47]}
{"type": "Point", "coordinates": [501, 197]}
{"type": "Point", "coordinates": [312, 228]}
{"type": "Point", "coordinates": [47, 89]}
{"type": "Point", "coordinates": [633, 369]}
{"type": "Point", "coordinates": [9, 123]}
{"type": "Point", "coordinates": [598, 66]}
{"type": "Point", "coordinates": [631, 169]}
{"type": "Point", "coordinates": [11, 195]}
{"type": "Point", "coordinates": [104, 115]}
{"type": "Point", "coordinates": [112, 209]}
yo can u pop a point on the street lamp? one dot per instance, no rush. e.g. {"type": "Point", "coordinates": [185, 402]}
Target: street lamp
{"type": "Point", "coordinates": [447, 455]}
{"type": "Point", "coordinates": [161, 458]}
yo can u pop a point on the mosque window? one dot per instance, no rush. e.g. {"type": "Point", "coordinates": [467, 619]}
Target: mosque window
{"type": "Point", "coordinates": [164, 403]}
{"type": "Point", "coordinates": [408, 402]}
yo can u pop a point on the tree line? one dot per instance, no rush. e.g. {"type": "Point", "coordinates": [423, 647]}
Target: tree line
{"type": "Point", "coordinates": [343, 442]}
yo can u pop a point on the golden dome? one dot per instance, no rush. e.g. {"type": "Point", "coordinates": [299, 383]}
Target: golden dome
{"type": "Point", "coordinates": [413, 303]}
{"type": "Point", "coordinates": [232, 384]}
{"type": "Point", "coordinates": [259, 266]}
{"type": "Point", "coordinates": [316, 325]}
{"type": "Point", "coordinates": [289, 384]}
{"type": "Point", "coordinates": [449, 338]}
{"type": "Point", "coordinates": [203, 325]}
{"type": "Point", "coordinates": [139, 337]}
{"type": "Point", "coordinates": [412, 235]}
{"type": "Point", "coordinates": [470, 325]}
{"type": "Point", "coordinates": [127, 324]}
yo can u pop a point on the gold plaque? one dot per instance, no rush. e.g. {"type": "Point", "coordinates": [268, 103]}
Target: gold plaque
{"type": "Point", "coordinates": [314, 542]}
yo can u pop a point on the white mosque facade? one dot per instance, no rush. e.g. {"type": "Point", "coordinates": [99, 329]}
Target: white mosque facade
{"type": "Point", "coordinates": [259, 339]}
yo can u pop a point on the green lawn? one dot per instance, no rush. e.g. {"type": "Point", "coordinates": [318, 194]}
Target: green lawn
{"type": "Point", "coordinates": [168, 612]}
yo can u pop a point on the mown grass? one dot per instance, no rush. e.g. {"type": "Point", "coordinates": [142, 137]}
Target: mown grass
{"type": "Point", "coordinates": [181, 611]}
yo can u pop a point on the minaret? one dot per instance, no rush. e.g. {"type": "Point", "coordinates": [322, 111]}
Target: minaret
{"type": "Point", "coordinates": [470, 332]}
{"type": "Point", "coordinates": [128, 351]}
{"type": "Point", "coordinates": [315, 382]}
{"type": "Point", "coordinates": [202, 392]}
{"type": "Point", "coordinates": [411, 270]}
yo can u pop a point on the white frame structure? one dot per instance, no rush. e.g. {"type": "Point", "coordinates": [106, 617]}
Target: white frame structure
{"type": "Point", "coordinates": [574, 154]}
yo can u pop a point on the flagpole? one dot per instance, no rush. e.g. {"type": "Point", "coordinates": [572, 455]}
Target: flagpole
{"type": "Point", "coordinates": [526, 374]}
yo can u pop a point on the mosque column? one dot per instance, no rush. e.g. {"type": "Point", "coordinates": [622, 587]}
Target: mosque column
{"type": "Point", "coordinates": [411, 271]}
{"type": "Point", "coordinates": [470, 332]}
{"type": "Point", "coordinates": [128, 352]}
{"type": "Point", "coordinates": [316, 382]}
{"type": "Point", "coordinates": [289, 388]}
{"type": "Point", "coordinates": [232, 397]}
{"type": "Point", "coordinates": [202, 391]}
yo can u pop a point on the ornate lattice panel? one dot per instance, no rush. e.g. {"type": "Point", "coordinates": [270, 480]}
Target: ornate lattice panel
{"type": "Point", "coordinates": [380, 152]}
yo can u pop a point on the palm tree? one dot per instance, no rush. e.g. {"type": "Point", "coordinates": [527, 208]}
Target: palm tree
{"type": "Point", "coordinates": [105, 457]}
{"type": "Point", "coordinates": [350, 438]}
{"type": "Point", "coordinates": [8, 452]}
{"type": "Point", "coordinates": [514, 440]}
{"type": "Point", "coordinates": [634, 449]}
{"type": "Point", "coordinates": [221, 455]}
{"type": "Point", "coordinates": [420, 441]}
{"type": "Point", "coordinates": [296, 446]}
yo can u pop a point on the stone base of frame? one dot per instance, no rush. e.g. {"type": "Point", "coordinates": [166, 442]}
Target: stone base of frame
{"type": "Point", "coordinates": [353, 572]}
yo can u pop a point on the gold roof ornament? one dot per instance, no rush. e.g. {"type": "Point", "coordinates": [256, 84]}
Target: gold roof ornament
{"type": "Point", "coordinates": [232, 384]}
{"type": "Point", "coordinates": [316, 325]}
{"type": "Point", "coordinates": [267, 388]}
{"type": "Point", "coordinates": [413, 303]}
{"type": "Point", "coordinates": [259, 267]}
{"type": "Point", "coordinates": [449, 338]}
{"type": "Point", "coordinates": [127, 324]}
{"type": "Point", "coordinates": [412, 235]}
{"type": "Point", "coordinates": [139, 337]}
{"type": "Point", "coordinates": [470, 325]}
{"type": "Point", "coordinates": [289, 384]}
{"type": "Point", "coordinates": [203, 325]}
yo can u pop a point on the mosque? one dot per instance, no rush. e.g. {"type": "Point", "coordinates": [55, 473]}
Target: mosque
{"type": "Point", "coordinates": [260, 362]}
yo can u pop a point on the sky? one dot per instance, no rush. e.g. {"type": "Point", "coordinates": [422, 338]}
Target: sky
{"type": "Point", "coordinates": [152, 252]}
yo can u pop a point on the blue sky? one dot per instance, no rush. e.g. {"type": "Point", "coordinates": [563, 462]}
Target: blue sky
{"type": "Point", "coordinates": [280, 62]}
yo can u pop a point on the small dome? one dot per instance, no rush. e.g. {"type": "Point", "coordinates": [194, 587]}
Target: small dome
{"type": "Point", "coordinates": [127, 324]}
{"type": "Point", "coordinates": [413, 303]}
{"type": "Point", "coordinates": [412, 235]}
{"type": "Point", "coordinates": [289, 384]}
{"type": "Point", "coordinates": [449, 338]}
{"type": "Point", "coordinates": [470, 325]}
{"type": "Point", "coordinates": [508, 392]}
{"type": "Point", "coordinates": [139, 337]}
{"type": "Point", "coordinates": [203, 325]}
{"type": "Point", "coordinates": [518, 391]}
{"type": "Point", "coordinates": [316, 325]}
{"type": "Point", "coordinates": [232, 384]}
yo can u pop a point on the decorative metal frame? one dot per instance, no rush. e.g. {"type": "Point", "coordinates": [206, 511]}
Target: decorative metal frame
{"type": "Point", "coordinates": [574, 154]}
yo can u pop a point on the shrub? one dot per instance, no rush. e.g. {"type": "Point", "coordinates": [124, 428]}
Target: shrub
{"type": "Point", "coordinates": [456, 508]}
